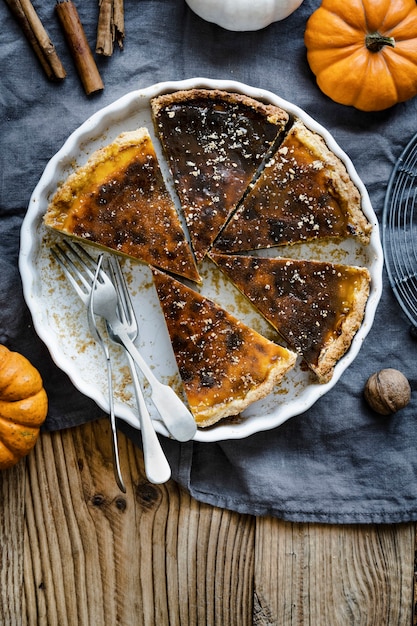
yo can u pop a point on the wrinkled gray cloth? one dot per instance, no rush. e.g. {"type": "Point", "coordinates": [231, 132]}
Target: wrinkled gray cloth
{"type": "Point", "coordinates": [338, 462]}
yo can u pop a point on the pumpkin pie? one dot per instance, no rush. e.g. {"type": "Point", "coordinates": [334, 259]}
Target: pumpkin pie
{"type": "Point", "coordinates": [317, 307]}
{"type": "Point", "coordinates": [224, 365]}
{"type": "Point", "coordinates": [118, 201]}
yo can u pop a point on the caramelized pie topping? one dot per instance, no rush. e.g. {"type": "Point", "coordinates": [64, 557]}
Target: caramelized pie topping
{"type": "Point", "coordinates": [317, 307]}
{"type": "Point", "coordinates": [303, 193]}
{"type": "Point", "coordinates": [214, 142]}
{"type": "Point", "coordinates": [245, 181]}
{"type": "Point", "coordinates": [118, 200]}
{"type": "Point", "coordinates": [224, 365]}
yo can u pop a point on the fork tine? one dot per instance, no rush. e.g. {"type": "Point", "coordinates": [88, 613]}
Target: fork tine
{"type": "Point", "coordinates": [71, 271]}
{"type": "Point", "coordinates": [78, 266]}
{"type": "Point", "coordinates": [127, 313]}
{"type": "Point", "coordinates": [82, 257]}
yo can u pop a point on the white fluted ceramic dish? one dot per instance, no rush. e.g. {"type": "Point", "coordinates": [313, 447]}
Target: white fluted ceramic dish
{"type": "Point", "coordinates": [60, 320]}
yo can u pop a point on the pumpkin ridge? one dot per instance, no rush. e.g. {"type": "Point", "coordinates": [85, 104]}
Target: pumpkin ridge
{"type": "Point", "coordinates": [400, 18]}
{"type": "Point", "coordinates": [409, 70]}
{"type": "Point", "coordinates": [336, 21]}
{"type": "Point", "coordinates": [405, 30]}
{"type": "Point", "coordinates": [23, 406]}
{"type": "Point", "coordinates": [362, 93]}
{"type": "Point", "coordinates": [19, 441]}
{"type": "Point", "coordinates": [30, 411]}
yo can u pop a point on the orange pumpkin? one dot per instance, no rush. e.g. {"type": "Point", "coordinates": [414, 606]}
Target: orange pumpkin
{"type": "Point", "coordinates": [364, 52]}
{"type": "Point", "coordinates": [23, 406]}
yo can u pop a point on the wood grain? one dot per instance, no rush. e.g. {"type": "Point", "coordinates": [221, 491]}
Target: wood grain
{"type": "Point", "coordinates": [75, 551]}
{"type": "Point", "coordinates": [12, 491]}
{"type": "Point", "coordinates": [338, 575]}
{"type": "Point", "coordinates": [100, 557]}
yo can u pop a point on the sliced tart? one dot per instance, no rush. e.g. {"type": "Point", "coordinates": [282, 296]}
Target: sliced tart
{"type": "Point", "coordinates": [118, 200]}
{"type": "Point", "coordinates": [214, 142]}
{"type": "Point", "coordinates": [304, 193]}
{"type": "Point", "coordinates": [224, 365]}
{"type": "Point", "coordinates": [317, 307]}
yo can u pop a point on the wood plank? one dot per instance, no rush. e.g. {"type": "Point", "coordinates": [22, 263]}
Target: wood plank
{"type": "Point", "coordinates": [415, 578]}
{"type": "Point", "coordinates": [12, 490]}
{"type": "Point", "coordinates": [88, 554]}
{"type": "Point", "coordinates": [152, 556]}
{"type": "Point", "coordinates": [338, 575]}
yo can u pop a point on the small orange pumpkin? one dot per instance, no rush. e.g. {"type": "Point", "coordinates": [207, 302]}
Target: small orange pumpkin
{"type": "Point", "coordinates": [364, 52]}
{"type": "Point", "coordinates": [23, 406]}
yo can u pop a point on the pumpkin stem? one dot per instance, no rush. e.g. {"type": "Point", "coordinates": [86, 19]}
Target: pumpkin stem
{"type": "Point", "coordinates": [375, 42]}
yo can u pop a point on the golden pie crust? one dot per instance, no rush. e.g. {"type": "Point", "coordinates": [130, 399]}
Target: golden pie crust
{"type": "Point", "coordinates": [224, 365]}
{"type": "Point", "coordinates": [303, 193]}
{"type": "Point", "coordinates": [118, 200]}
{"type": "Point", "coordinates": [317, 307]}
{"type": "Point", "coordinates": [214, 142]}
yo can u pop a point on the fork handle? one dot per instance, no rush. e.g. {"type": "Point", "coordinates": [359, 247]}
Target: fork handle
{"type": "Point", "coordinates": [157, 468]}
{"type": "Point", "coordinates": [115, 444]}
{"type": "Point", "coordinates": [175, 415]}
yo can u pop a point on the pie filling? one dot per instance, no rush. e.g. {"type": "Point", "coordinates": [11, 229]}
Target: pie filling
{"type": "Point", "coordinates": [224, 365]}
{"type": "Point", "coordinates": [118, 200]}
{"type": "Point", "coordinates": [303, 193]}
{"type": "Point", "coordinates": [315, 306]}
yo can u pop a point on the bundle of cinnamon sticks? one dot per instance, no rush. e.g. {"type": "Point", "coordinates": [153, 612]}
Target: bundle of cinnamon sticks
{"type": "Point", "coordinates": [110, 30]}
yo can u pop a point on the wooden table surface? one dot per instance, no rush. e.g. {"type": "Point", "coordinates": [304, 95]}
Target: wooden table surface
{"type": "Point", "coordinates": [74, 550]}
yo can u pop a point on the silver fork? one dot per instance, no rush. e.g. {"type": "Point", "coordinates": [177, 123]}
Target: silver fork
{"type": "Point", "coordinates": [83, 288]}
{"type": "Point", "coordinates": [156, 465]}
{"type": "Point", "coordinates": [80, 274]}
{"type": "Point", "coordinates": [99, 339]}
{"type": "Point", "coordinates": [176, 416]}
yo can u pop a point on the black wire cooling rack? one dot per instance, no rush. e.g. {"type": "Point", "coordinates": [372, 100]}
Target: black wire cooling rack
{"type": "Point", "coordinates": [399, 232]}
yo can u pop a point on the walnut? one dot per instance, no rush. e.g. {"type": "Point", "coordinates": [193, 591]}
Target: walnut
{"type": "Point", "coordinates": [387, 391]}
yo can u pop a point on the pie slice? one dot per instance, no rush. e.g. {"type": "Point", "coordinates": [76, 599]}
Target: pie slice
{"type": "Point", "coordinates": [304, 193]}
{"type": "Point", "coordinates": [118, 200]}
{"type": "Point", "coordinates": [224, 365]}
{"type": "Point", "coordinates": [214, 142]}
{"type": "Point", "coordinates": [317, 307]}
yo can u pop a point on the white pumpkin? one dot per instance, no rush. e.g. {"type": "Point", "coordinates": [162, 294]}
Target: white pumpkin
{"type": "Point", "coordinates": [243, 15]}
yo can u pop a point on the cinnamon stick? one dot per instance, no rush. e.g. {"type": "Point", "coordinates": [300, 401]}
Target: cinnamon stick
{"type": "Point", "coordinates": [79, 46]}
{"type": "Point", "coordinates": [35, 33]}
{"type": "Point", "coordinates": [119, 22]}
{"type": "Point", "coordinates": [110, 26]}
{"type": "Point", "coordinates": [104, 44]}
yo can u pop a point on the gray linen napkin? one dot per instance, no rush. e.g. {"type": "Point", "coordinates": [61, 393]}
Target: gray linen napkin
{"type": "Point", "coordinates": [338, 462]}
